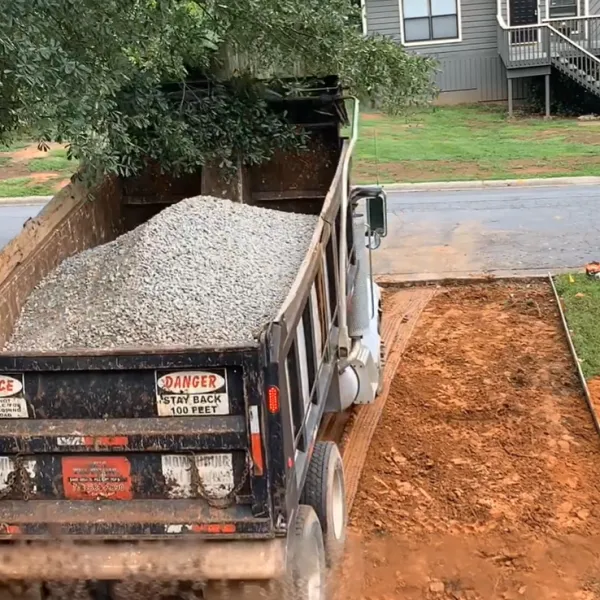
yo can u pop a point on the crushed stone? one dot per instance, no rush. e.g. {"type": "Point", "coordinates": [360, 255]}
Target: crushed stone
{"type": "Point", "coordinates": [203, 272]}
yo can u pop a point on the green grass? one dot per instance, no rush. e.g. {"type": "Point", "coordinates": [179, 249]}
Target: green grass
{"type": "Point", "coordinates": [56, 160]}
{"type": "Point", "coordinates": [18, 144]}
{"type": "Point", "coordinates": [4, 161]}
{"type": "Point", "coordinates": [477, 140]}
{"type": "Point", "coordinates": [581, 298]}
{"type": "Point", "coordinates": [25, 186]}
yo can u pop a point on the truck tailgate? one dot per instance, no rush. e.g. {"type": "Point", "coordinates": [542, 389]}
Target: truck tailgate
{"type": "Point", "coordinates": [132, 445]}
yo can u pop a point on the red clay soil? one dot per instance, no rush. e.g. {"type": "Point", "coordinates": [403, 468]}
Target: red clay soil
{"type": "Point", "coordinates": [594, 389]}
{"type": "Point", "coordinates": [482, 481]}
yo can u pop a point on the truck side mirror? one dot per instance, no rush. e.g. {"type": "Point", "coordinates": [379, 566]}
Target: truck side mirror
{"type": "Point", "coordinates": [377, 213]}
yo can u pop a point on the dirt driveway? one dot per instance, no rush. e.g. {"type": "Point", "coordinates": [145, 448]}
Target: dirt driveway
{"type": "Point", "coordinates": [482, 482]}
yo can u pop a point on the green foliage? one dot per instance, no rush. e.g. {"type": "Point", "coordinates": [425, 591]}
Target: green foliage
{"type": "Point", "coordinates": [93, 73]}
{"type": "Point", "coordinates": [581, 301]}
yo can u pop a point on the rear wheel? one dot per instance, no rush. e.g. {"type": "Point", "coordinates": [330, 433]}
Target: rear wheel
{"type": "Point", "coordinates": [306, 569]}
{"type": "Point", "coordinates": [325, 491]}
{"type": "Point", "coordinates": [20, 591]}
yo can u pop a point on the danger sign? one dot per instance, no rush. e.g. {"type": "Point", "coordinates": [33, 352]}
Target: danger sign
{"type": "Point", "coordinates": [12, 401]}
{"type": "Point", "coordinates": [192, 393]}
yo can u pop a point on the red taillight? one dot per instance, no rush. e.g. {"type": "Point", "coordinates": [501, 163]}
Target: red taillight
{"type": "Point", "coordinates": [256, 443]}
{"type": "Point", "coordinates": [273, 399]}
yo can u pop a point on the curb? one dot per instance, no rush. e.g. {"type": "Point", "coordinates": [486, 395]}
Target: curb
{"type": "Point", "coordinates": [485, 184]}
{"type": "Point", "coordinates": [23, 200]}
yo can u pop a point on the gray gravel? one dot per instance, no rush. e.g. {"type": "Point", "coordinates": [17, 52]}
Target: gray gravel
{"type": "Point", "coordinates": [202, 272]}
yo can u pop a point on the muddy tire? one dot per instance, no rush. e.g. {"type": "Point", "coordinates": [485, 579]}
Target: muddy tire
{"type": "Point", "coordinates": [20, 591]}
{"type": "Point", "coordinates": [306, 569]}
{"type": "Point", "coordinates": [233, 590]}
{"type": "Point", "coordinates": [325, 492]}
{"type": "Point", "coordinates": [381, 349]}
{"type": "Point", "coordinates": [308, 565]}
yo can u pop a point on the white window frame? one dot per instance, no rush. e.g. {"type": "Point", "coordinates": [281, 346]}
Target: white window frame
{"type": "Point", "coordinates": [363, 16]}
{"type": "Point", "coordinates": [430, 42]}
{"type": "Point", "coordinates": [586, 10]}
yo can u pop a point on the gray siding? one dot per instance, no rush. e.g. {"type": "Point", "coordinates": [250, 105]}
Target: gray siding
{"type": "Point", "coordinates": [469, 70]}
{"type": "Point", "coordinates": [383, 16]}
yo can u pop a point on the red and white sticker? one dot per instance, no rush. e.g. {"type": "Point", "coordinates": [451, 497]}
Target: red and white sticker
{"type": "Point", "coordinates": [97, 478]}
{"type": "Point", "coordinates": [74, 441]}
{"type": "Point", "coordinates": [215, 472]}
{"type": "Point", "coordinates": [192, 394]}
{"type": "Point", "coordinates": [12, 401]}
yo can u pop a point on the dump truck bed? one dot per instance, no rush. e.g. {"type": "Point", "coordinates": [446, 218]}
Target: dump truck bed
{"type": "Point", "coordinates": [163, 446]}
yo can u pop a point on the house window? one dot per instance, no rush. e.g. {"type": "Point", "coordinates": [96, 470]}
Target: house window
{"type": "Point", "coordinates": [430, 20]}
{"type": "Point", "coordinates": [563, 8]}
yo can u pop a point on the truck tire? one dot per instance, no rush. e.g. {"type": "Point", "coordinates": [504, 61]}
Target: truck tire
{"type": "Point", "coordinates": [308, 566]}
{"type": "Point", "coordinates": [381, 348]}
{"type": "Point", "coordinates": [20, 591]}
{"type": "Point", "coordinates": [306, 569]}
{"type": "Point", "coordinates": [381, 382]}
{"type": "Point", "coordinates": [325, 491]}
{"type": "Point", "coordinates": [243, 590]}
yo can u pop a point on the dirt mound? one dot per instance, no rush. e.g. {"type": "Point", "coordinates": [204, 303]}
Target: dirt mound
{"type": "Point", "coordinates": [483, 479]}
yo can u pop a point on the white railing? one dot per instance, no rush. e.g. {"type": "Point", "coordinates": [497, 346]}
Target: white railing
{"type": "Point", "coordinates": [536, 45]}
{"type": "Point", "coordinates": [575, 61]}
{"type": "Point", "coordinates": [585, 31]}
{"type": "Point", "coordinates": [523, 45]}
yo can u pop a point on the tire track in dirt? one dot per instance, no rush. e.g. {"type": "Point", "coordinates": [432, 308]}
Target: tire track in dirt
{"type": "Point", "coordinates": [402, 310]}
{"type": "Point", "coordinates": [482, 480]}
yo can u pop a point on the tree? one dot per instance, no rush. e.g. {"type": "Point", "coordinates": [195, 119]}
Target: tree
{"type": "Point", "coordinates": [93, 73]}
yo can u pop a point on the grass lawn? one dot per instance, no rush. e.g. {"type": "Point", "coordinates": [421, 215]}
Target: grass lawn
{"type": "Point", "coordinates": [27, 171]}
{"type": "Point", "coordinates": [581, 301]}
{"type": "Point", "coordinates": [55, 161]}
{"type": "Point", "coordinates": [473, 142]}
{"type": "Point", "coordinates": [19, 187]}
{"type": "Point", "coordinates": [433, 144]}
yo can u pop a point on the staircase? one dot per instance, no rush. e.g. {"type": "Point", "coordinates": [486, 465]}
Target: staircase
{"type": "Point", "coordinates": [575, 61]}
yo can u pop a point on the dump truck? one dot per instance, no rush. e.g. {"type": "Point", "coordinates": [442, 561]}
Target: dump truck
{"type": "Point", "coordinates": [109, 472]}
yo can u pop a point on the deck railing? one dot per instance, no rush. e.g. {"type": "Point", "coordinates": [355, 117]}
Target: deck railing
{"type": "Point", "coordinates": [537, 45]}
{"type": "Point", "coordinates": [584, 31]}
{"type": "Point", "coordinates": [523, 45]}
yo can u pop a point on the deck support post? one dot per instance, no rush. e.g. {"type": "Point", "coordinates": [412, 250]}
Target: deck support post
{"type": "Point", "coordinates": [547, 82]}
{"type": "Point", "coordinates": [510, 98]}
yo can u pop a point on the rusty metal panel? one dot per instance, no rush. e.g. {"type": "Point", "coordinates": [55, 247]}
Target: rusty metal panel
{"type": "Point", "coordinates": [67, 225]}
{"type": "Point", "coordinates": [311, 170]}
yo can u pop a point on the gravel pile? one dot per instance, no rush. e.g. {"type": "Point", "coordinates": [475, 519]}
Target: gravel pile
{"type": "Point", "coordinates": [202, 272]}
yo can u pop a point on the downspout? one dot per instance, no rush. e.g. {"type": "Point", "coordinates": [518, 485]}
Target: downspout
{"type": "Point", "coordinates": [344, 338]}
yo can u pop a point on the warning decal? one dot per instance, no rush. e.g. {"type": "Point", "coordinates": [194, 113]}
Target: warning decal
{"type": "Point", "coordinates": [98, 478]}
{"type": "Point", "coordinates": [192, 393]}
{"type": "Point", "coordinates": [12, 401]}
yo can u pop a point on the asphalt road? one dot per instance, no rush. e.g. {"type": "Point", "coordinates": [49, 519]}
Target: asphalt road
{"type": "Point", "coordinates": [457, 234]}
{"type": "Point", "coordinates": [12, 219]}
{"type": "Point", "coordinates": [501, 231]}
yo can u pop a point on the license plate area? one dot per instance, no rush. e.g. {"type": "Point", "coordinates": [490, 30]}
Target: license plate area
{"type": "Point", "coordinates": [132, 476]}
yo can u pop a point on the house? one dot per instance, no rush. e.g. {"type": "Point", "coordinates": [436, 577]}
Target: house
{"type": "Point", "coordinates": [490, 49]}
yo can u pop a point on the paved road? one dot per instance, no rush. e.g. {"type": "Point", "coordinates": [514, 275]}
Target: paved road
{"type": "Point", "coordinates": [457, 234]}
{"type": "Point", "coordinates": [502, 231]}
{"type": "Point", "coordinates": [12, 219]}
